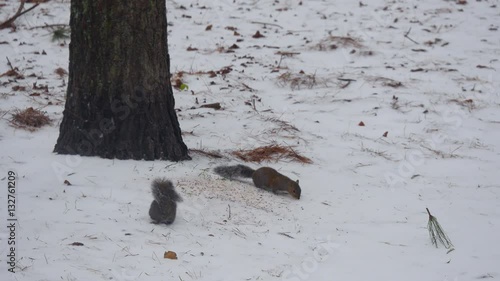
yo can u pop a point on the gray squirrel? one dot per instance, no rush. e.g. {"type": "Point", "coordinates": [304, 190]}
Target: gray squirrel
{"type": "Point", "coordinates": [164, 206]}
{"type": "Point", "coordinates": [264, 177]}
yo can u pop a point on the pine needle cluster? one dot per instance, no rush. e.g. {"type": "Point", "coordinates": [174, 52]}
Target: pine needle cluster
{"type": "Point", "coordinates": [436, 232]}
{"type": "Point", "coordinates": [60, 33]}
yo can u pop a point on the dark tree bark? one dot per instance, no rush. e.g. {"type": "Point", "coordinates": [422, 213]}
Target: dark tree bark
{"type": "Point", "coordinates": [120, 102]}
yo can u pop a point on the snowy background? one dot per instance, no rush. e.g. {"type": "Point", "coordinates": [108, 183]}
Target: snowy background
{"type": "Point", "coordinates": [422, 73]}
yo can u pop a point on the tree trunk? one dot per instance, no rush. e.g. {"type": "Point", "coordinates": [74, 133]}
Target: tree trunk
{"type": "Point", "coordinates": [120, 102]}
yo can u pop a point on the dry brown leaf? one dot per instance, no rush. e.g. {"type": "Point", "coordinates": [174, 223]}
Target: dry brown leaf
{"type": "Point", "coordinates": [170, 255]}
{"type": "Point", "coordinates": [258, 35]}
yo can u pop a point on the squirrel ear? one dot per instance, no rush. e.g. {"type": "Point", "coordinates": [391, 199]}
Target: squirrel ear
{"type": "Point", "coordinates": [297, 181]}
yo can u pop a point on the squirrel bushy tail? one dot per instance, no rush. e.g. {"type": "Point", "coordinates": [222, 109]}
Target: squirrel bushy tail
{"type": "Point", "coordinates": [164, 206]}
{"type": "Point", "coordinates": [235, 171]}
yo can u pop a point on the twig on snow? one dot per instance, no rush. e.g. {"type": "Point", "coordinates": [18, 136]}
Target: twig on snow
{"type": "Point", "coordinates": [406, 36]}
{"type": "Point", "coordinates": [266, 23]}
{"type": "Point", "coordinates": [20, 12]}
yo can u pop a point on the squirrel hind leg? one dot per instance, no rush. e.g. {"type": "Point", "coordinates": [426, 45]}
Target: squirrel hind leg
{"type": "Point", "coordinates": [164, 213]}
{"type": "Point", "coordinates": [154, 212]}
{"type": "Point", "coordinates": [167, 222]}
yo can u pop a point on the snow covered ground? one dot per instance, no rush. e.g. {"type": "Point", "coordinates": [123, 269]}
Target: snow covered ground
{"type": "Point", "coordinates": [425, 72]}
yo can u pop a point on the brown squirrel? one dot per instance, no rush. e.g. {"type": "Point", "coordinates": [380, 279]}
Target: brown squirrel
{"type": "Point", "coordinates": [265, 178]}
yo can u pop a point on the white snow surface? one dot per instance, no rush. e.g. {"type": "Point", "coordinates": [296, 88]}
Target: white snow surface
{"type": "Point", "coordinates": [362, 214]}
